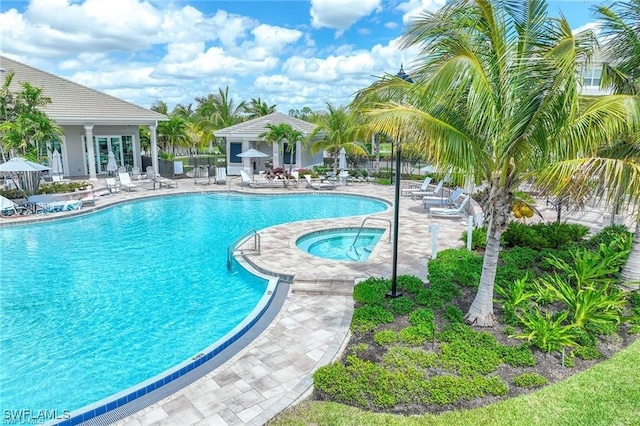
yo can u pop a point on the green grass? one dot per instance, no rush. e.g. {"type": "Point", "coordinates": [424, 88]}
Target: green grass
{"type": "Point", "coordinates": [606, 394]}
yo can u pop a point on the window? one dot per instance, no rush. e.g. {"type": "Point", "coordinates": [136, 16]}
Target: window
{"type": "Point", "coordinates": [591, 76]}
{"type": "Point", "coordinates": [288, 155]}
{"type": "Point", "coordinates": [235, 148]}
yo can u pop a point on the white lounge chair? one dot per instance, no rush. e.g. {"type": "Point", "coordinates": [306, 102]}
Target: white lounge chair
{"type": "Point", "coordinates": [435, 191]}
{"type": "Point", "coordinates": [444, 211]}
{"type": "Point", "coordinates": [201, 175]}
{"type": "Point", "coordinates": [254, 183]}
{"type": "Point", "coordinates": [405, 192]}
{"type": "Point", "coordinates": [161, 181]}
{"type": "Point", "coordinates": [51, 203]}
{"type": "Point", "coordinates": [318, 184]}
{"type": "Point", "coordinates": [428, 202]}
{"type": "Point", "coordinates": [221, 174]}
{"type": "Point", "coordinates": [113, 186]}
{"type": "Point", "coordinates": [9, 208]}
{"type": "Point", "coordinates": [125, 181]}
{"type": "Point", "coordinates": [59, 179]}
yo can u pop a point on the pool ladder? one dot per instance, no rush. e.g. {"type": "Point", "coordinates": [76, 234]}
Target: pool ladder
{"type": "Point", "coordinates": [231, 247]}
{"type": "Point", "coordinates": [353, 246]}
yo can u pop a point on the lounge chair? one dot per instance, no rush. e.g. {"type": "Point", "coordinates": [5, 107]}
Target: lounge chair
{"type": "Point", "coordinates": [405, 192]}
{"type": "Point", "coordinates": [221, 174]}
{"type": "Point", "coordinates": [436, 190]}
{"type": "Point", "coordinates": [253, 183]}
{"type": "Point", "coordinates": [50, 203]}
{"type": "Point", "coordinates": [135, 173]}
{"type": "Point", "coordinates": [9, 208]}
{"type": "Point", "coordinates": [125, 181]}
{"type": "Point", "coordinates": [318, 184]}
{"type": "Point", "coordinates": [59, 179]}
{"type": "Point", "coordinates": [428, 202]}
{"type": "Point", "coordinates": [113, 186]}
{"type": "Point", "coordinates": [445, 211]}
{"type": "Point", "coordinates": [161, 181]}
{"type": "Point", "coordinates": [294, 178]}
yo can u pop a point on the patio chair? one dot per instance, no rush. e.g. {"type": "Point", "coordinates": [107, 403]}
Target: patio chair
{"type": "Point", "coordinates": [428, 202]}
{"type": "Point", "coordinates": [405, 192]}
{"type": "Point", "coordinates": [161, 181]}
{"type": "Point", "coordinates": [254, 183]}
{"type": "Point", "coordinates": [420, 192]}
{"type": "Point", "coordinates": [9, 208]}
{"type": "Point", "coordinates": [221, 174]}
{"type": "Point", "coordinates": [125, 181]}
{"type": "Point", "coordinates": [201, 175]}
{"type": "Point", "coordinates": [135, 173]}
{"type": "Point", "coordinates": [113, 186]}
{"type": "Point", "coordinates": [59, 179]}
{"type": "Point", "coordinates": [318, 184]}
{"type": "Point", "coordinates": [447, 211]}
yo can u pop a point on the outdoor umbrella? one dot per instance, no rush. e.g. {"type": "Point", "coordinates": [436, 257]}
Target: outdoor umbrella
{"type": "Point", "coordinates": [342, 161]}
{"type": "Point", "coordinates": [26, 172]}
{"type": "Point", "coordinates": [252, 153]}
{"type": "Point", "coordinates": [112, 166]}
{"type": "Point", "coordinates": [56, 163]}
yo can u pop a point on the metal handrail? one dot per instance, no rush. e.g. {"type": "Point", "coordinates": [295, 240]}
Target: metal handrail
{"type": "Point", "coordinates": [231, 247]}
{"type": "Point", "coordinates": [362, 226]}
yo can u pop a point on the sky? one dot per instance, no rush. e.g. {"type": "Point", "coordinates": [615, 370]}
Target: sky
{"type": "Point", "coordinates": [288, 53]}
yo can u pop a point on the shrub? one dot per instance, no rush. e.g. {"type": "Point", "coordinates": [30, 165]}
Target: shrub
{"type": "Point", "coordinates": [529, 380]}
{"type": "Point", "coordinates": [469, 359]}
{"type": "Point", "coordinates": [543, 235]}
{"type": "Point", "coordinates": [518, 356]}
{"type": "Point", "coordinates": [368, 317]}
{"type": "Point", "coordinates": [457, 266]}
{"type": "Point", "coordinates": [359, 348]}
{"type": "Point", "coordinates": [371, 291]}
{"type": "Point", "coordinates": [607, 235]}
{"type": "Point", "coordinates": [415, 335]}
{"type": "Point", "coordinates": [400, 358]}
{"type": "Point", "coordinates": [587, 353]}
{"type": "Point", "coordinates": [400, 305]}
{"type": "Point", "coordinates": [437, 295]}
{"type": "Point", "coordinates": [448, 390]}
{"type": "Point", "coordinates": [422, 317]}
{"type": "Point", "coordinates": [334, 379]}
{"type": "Point", "coordinates": [453, 314]}
{"type": "Point", "coordinates": [514, 297]}
{"type": "Point", "coordinates": [478, 238]}
{"type": "Point", "coordinates": [410, 283]}
{"type": "Point", "coordinates": [521, 258]}
{"type": "Point", "coordinates": [386, 337]}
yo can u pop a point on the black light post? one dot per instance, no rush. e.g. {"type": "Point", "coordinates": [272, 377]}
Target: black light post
{"type": "Point", "coordinates": [396, 213]}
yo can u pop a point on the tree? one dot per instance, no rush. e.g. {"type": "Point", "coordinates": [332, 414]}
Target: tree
{"type": "Point", "coordinates": [496, 96]}
{"type": "Point", "coordinates": [258, 108]}
{"type": "Point", "coordinates": [24, 125]}
{"type": "Point", "coordinates": [276, 134]}
{"type": "Point", "coordinates": [339, 128]}
{"type": "Point", "coordinates": [217, 111]}
{"type": "Point", "coordinates": [610, 171]}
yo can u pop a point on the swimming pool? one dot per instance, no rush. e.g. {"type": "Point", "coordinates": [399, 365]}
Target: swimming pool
{"type": "Point", "coordinates": [348, 244]}
{"type": "Point", "coordinates": [130, 289]}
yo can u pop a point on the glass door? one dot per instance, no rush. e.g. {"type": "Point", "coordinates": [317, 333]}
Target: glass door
{"type": "Point", "coordinates": [102, 153]}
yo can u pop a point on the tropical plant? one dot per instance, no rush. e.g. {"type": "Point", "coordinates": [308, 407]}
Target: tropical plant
{"type": "Point", "coordinates": [496, 96]}
{"type": "Point", "coordinates": [587, 302]}
{"type": "Point", "coordinates": [515, 296]}
{"type": "Point", "coordinates": [276, 134]}
{"type": "Point", "coordinates": [339, 128]}
{"type": "Point", "coordinates": [257, 108]}
{"type": "Point", "coordinates": [217, 111]}
{"type": "Point", "coordinates": [546, 332]}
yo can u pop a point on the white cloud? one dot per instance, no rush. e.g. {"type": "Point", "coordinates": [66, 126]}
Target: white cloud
{"type": "Point", "coordinates": [413, 8]}
{"type": "Point", "coordinates": [340, 14]}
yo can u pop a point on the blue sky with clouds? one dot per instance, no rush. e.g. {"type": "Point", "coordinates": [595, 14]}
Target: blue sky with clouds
{"type": "Point", "coordinates": [290, 53]}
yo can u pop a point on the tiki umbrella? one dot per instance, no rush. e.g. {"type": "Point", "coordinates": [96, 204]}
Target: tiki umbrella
{"type": "Point", "coordinates": [25, 172]}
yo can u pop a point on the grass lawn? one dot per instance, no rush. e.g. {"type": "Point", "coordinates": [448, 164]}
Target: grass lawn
{"type": "Point", "coordinates": [606, 394]}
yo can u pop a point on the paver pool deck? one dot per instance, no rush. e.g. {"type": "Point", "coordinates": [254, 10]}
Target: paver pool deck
{"type": "Point", "coordinates": [274, 371]}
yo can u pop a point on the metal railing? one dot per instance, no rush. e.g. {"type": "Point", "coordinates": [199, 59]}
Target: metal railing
{"type": "Point", "coordinates": [362, 227]}
{"type": "Point", "coordinates": [231, 247]}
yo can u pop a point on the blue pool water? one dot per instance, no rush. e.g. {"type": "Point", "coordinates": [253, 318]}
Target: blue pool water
{"type": "Point", "coordinates": [349, 244]}
{"type": "Point", "coordinates": [92, 305]}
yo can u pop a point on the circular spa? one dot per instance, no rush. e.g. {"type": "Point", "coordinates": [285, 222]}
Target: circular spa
{"type": "Point", "coordinates": [348, 244]}
{"type": "Point", "coordinates": [100, 308]}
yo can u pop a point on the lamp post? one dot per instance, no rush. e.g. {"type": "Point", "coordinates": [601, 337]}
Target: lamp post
{"type": "Point", "coordinates": [396, 213]}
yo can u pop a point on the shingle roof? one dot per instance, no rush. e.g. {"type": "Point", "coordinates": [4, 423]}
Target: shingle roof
{"type": "Point", "coordinates": [257, 126]}
{"type": "Point", "coordinates": [73, 103]}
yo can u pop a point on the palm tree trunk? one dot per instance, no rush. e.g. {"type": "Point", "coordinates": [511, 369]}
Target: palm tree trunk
{"type": "Point", "coordinates": [496, 205]}
{"type": "Point", "coordinates": [630, 275]}
{"type": "Point", "coordinates": [481, 310]}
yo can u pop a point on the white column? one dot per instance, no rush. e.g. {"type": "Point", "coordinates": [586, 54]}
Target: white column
{"type": "Point", "coordinates": [154, 147]}
{"type": "Point", "coordinates": [91, 153]}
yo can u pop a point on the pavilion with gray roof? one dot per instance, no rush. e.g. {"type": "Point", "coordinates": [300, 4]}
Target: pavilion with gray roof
{"type": "Point", "coordinates": [84, 114]}
{"type": "Point", "coordinates": [246, 135]}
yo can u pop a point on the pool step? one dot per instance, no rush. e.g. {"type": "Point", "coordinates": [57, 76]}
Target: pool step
{"type": "Point", "coordinates": [343, 287]}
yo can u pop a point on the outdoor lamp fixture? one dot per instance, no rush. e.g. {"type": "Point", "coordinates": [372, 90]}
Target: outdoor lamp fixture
{"type": "Point", "coordinates": [396, 213]}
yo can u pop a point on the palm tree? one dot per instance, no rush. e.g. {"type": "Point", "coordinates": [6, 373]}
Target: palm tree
{"type": "Point", "coordinates": [276, 134]}
{"type": "Point", "coordinates": [293, 137]}
{"type": "Point", "coordinates": [172, 133]}
{"type": "Point", "coordinates": [217, 111]}
{"type": "Point", "coordinates": [258, 108]}
{"type": "Point", "coordinates": [611, 171]}
{"type": "Point", "coordinates": [495, 95]}
{"type": "Point", "coordinates": [339, 128]}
